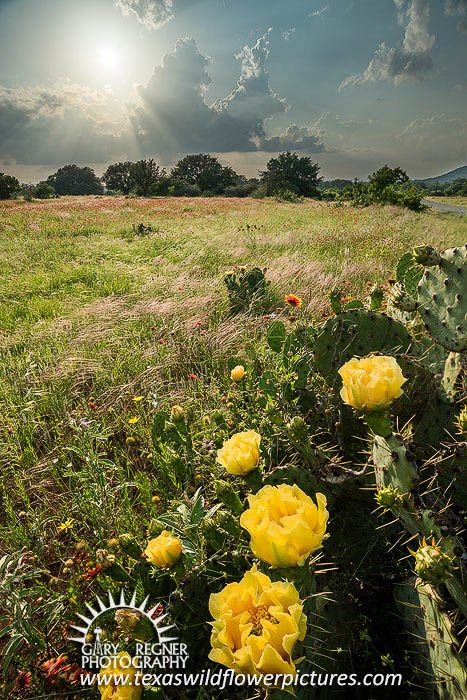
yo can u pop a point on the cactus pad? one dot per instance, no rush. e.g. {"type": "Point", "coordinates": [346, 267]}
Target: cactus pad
{"type": "Point", "coordinates": [356, 333]}
{"type": "Point", "coordinates": [442, 296]}
{"type": "Point", "coordinates": [425, 618]}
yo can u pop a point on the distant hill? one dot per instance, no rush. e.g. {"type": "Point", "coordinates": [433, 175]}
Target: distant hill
{"type": "Point", "coordinates": [448, 177]}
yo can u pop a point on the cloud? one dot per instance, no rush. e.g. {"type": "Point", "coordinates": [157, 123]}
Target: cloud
{"type": "Point", "coordinates": [175, 117]}
{"type": "Point", "coordinates": [295, 138]}
{"type": "Point", "coordinates": [428, 137]}
{"type": "Point", "coordinates": [439, 132]}
{"type": "Point", "coordinates": [289, 33]}
{"type": "Point", "coordinates": [458, 8]}
{"type": "Point", "coordinates": [152, 14]}
{"type": "Point", "coordinates": [409, 62]}
{"type": "Point", "coordinates": [167, 116]}
{"type": "Point", "coordinates": [57, 123]}
{"type": "Point", "coordinates": [334, 122]}
{"type": "Point", "coordinates": [319, 13]}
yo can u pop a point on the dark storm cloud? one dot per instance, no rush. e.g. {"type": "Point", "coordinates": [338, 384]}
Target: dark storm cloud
{"type": "Point", "coordinates": [51, 124]}
{"type": "Point", "coordinates": [175, 117]}
{"type": "Point", "coordinates": [295, 138]}
{"type": "Point", "coordinates": [171, 115]}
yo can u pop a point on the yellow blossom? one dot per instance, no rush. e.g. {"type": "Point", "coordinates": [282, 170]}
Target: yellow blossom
{"type": "Point", "coordinates": [133, 420]}
{"type": "Point", "coordinates": [238, 373]}
{"type": "Point", "coordinates": [163, 551]}
{"type": "Point", "coordinates": [240, 454]}
{"type": "Point", "coordinates": [256, 625]}
{"type": "Point", "coordinates": [371, 383]}
{"type": "Point", "coordinates": [67, 525]}
{"type": "Point", "coordinates": [121, 666]}
{"type": "Point", "coordinates": [285, 524]}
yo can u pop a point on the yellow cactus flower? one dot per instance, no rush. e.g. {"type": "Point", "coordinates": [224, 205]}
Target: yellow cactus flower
{"type": "Point", "coordinates": [238, 373]}
{"type": "Point", "coordinates": [285, 524]}
{"type": "Point", "coordinates": [371, 383]}
{"type": "Point", "coordinates": [121, 666]}
{"type": "Point", "coordinates": [240, 454]}
{"type": "Point", "coordinates": [256, 625]}
{"type": "Point", "coordinates": [163, 551]}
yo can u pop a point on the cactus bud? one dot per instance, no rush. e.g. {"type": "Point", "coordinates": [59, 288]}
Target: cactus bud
{"type": "Point", "coordinates": [335, 296]}
{"type": "Point", "coordinates": [129, 546]}
{"type": "Point", "coordinates": [228, 497]}
{"type": "Point", "coordinates": [389, 497]}
{"type": "Point", "coordinates": [229, 523]}
{"type": "Point", "coordinates": [431, 564]}
{"type": "Point", "coordinates": [376, 297]}
{"type": "Point", "coordinates": [298, 428]}
{"type": "Point", "coordinates": [274, 414]}
{"type": "Point", "coordinates": [155, 527]}
{"type": "Point", "coordinates": [426, 255]}
{"type": "Point", "coordinates": [177, 414]}
{"type": "Point", "coordinates": [401, 300]}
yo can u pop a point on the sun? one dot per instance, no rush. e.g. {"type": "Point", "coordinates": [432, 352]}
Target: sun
{"type": "Point", "coordinates": [108, 57]}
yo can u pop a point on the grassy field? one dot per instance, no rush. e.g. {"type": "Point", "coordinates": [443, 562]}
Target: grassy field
{"type": "Point", "coordinates": [456, 201]}
{"type": "Point", "coordinates": [101, 325]}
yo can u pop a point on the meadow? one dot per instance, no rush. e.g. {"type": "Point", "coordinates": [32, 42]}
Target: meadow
{"type": "Point", "coordinates": [113, 309]}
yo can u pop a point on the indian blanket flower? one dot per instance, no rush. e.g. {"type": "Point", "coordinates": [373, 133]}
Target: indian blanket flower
{"type": "Point", "coordinates": [23, 681]}
{"type": "Point", "coordinates": [371, 383]}
{"type": "Point", "coordinates": [256, 625]}
{"type": "Point", "coordinates": [119, 683]}
{"type": "Point", "coordinates": [237, 373]}
{"type": "Point", "coordinates": [163, 551]}
{"type": "Point", "coordinates": [292, 300]}
{"type": "Point", "coordinates": [240, 454]}
{"type": "Point", "coordinates": [285, 524]}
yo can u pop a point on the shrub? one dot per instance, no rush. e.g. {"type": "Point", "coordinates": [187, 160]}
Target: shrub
{"type": "Point", "coordinates": [245, 189]}
{"type": "Point", "coordinates": [287, 196]}
{"type": "Point", "coordinates": [44, 191]}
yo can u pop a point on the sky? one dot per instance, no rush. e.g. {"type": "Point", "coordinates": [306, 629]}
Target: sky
{"type": "Point", "coordinates": [354, 84]}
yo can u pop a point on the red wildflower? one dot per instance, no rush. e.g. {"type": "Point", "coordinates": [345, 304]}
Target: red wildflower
{"type": "Point", "coordinates": [53, 667]}
{"type": "Point", "coordinates": [92, 573]}
{"type": "Point", "coordinates": [293, 300]}
{"type": "Point", "coordinates": [193, 376]}
{"type": "Point", "coordinates": [23, 681]}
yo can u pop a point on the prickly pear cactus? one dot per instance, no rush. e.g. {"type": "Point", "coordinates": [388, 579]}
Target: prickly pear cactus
{"type": "Point", "coordinates": [436, 650]}
{"type": "Point", "coordinates": [356, 333]}
{"type": "Point", "coordinates": [442, 297]}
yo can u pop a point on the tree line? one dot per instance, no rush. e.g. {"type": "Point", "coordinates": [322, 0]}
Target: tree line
{"type": "Point", "coordinates": [287, 176]}
{"type": "Point", "coordinates": [193, 175]}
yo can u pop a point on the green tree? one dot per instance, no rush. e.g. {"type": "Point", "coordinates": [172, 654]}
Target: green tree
{"type": "Point", "coordinates": [118, 176]}
{"type": "Point", "coordinates": [385, 177]}
{"type": "Point", "coordinates": [44, 191]}
{"type": "Point", "coordinates": [288, 171]}
{"type": "Point", "coordinates": [71, 179]}
{"type": "Point", "coordinates": [205, 171]}
{"type": "Point", "coordinates": [8, 185]}
{"type": "Point", "coordinates": [147, 178]}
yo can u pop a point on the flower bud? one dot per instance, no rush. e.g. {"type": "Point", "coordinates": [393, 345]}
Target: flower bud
{"type": "Point", "coordinates": [177, 414]}
{"type": "Point", "coordinates": [237, 373]}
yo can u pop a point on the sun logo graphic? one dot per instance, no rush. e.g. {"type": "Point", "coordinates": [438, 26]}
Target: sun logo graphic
{"type": "Point", "coordinates": [157, 650]}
